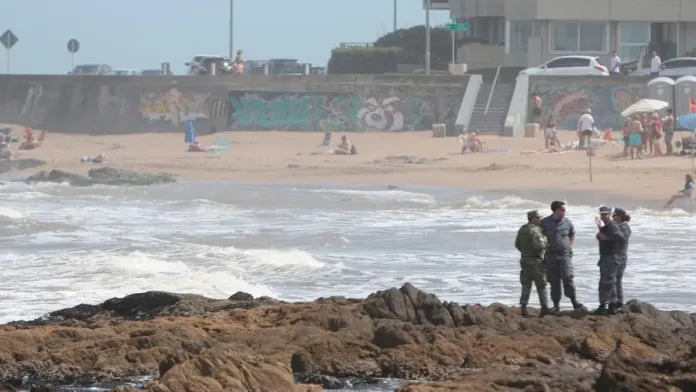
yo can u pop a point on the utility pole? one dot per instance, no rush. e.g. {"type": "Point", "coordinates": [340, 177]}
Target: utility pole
{"type": "Point", "coordinates": [394, 15]}
{"type": "Point", "coordinates": [427, 38]}
{"type": "Point", "coordinates": [231, 29]}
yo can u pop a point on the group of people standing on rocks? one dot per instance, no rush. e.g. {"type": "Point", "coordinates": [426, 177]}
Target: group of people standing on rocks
{"type": "Point", "coordinates": [546, 247]}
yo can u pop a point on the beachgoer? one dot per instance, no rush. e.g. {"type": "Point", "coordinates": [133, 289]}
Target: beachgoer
{"type": "Point", "coordinates": [626, 137]}
{"type": "Point", "coordinates": [30, 142]}
{"type": "Point", "coordinates": [668, 129]}
{"type": "Point", "coordinates": [238, 63]}
{"type": "Point", "coordinates": [550, 133]}
{"type": "Point", "coordinates": [5, 152]}
{"type": "Point", "coordinates": [635, 147]}
{"type": "Point", "coordinates": [622, 219]}
{"type": "Point", "coordinates": [100, 158]}
{"type": "Point", "coordinates": [685, 193]}
{"type": "Point", "coordinates": [196, 147]}
{"type": "Point", "coordinates": [615, 64]}
{"type": "Point", "coordinates": [585, 128]}
{"type": "Point", "coordinates": [655, 135]}
{"type": "Point", "coordinates": [560, 234]}
{"type": "Point", "coordinates": [531, 243]}
{"type": "Point", "coordinates": [655, 65]}
{"type": "Point", "coordinates": [536, 108]}
{"type": "Point", "coordinates": [611, 241]}
{"type": "Point", "coordinates": [462, 140]}
{"type": "Point", "coordinates": [473, 143]}
{"type": "Point", "coordinates": [345, 147]}
{"type": "Point", "coordinates": [647, 133]}
{"type": "Point", "coordinates": [554, 146]}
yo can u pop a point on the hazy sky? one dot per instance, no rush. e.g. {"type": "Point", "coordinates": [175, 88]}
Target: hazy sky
{"type": "Point", "coordinates": [141, 34]}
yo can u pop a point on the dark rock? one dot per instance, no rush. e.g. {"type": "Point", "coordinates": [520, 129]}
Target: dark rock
{"type": "Point", "coordinates": [20, 164]}
{"type": "Point", "coordinates": [241, 296]}
{"type": "Point", "coordinates": [102, 176]}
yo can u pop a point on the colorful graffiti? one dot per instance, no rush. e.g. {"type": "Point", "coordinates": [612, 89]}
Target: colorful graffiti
{"type": "Point", "coordinates": [567, 101]}
{"type": "Point", "coordinates": [332, 112]}
{"type": "Point", "coordinates": [174, 107]}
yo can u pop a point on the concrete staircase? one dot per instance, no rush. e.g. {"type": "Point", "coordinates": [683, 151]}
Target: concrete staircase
{"type": "Point", "coordinates": [493, 121]}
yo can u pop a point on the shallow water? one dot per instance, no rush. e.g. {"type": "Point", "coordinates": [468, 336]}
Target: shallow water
{"type": "Point", "coordinates": [65, 245]}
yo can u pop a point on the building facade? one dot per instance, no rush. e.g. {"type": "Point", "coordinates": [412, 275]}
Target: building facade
{"type": "Point", "coordinates": [528, 33]}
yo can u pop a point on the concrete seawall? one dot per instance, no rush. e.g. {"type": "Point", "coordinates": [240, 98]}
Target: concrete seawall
{"type": "Point", "coordinates": [118, 105]}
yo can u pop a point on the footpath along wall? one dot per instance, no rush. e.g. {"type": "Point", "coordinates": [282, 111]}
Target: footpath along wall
{"type": "Point", "coordinates": [117, 105]}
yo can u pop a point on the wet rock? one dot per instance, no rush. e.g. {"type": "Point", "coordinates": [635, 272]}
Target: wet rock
{"type": "Point", "coordinates": [102, 176]}
{"type": "Point", "coordinates": [20, 164]}
{"type": "Point", "coordinates": [241, 344]}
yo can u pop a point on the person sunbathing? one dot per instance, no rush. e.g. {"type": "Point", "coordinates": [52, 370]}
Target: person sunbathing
{"type": "Point", "coordinates": [30, 143]}
{"type": "Point", "coordinates": [101, 158]}
{"type": "Point", "coordinates": [345, 147]}
{"type": "Point", "coordinates": [553, 147]}
{"type": "Point", "coordinates": [196, 147]}
{"type": "Point", "coordinates": [5, 152]}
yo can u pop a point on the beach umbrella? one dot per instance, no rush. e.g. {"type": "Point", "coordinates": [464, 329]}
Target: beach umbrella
{"type": "Point", "coordinates": [190, 132]}
{"type": "Point", "coordinates": [645, 106]}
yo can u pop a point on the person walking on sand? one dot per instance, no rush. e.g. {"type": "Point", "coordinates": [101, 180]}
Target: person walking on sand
{"type": "Point", "coordinates": [611, 242]}
{"type": "Point", "coordinates": [531, 243]}
{"type": "Point", "coordinates": [621, 218]}
{"type": "Point", "coordinates": [560, 233]}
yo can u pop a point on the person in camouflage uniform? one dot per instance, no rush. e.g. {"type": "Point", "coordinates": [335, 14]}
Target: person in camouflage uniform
{"type": "Point", "coordinates": [531, 243]}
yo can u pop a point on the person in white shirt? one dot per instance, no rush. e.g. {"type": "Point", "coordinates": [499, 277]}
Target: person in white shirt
{"type": "Point", "coordinates": [615, 64]}
{"type": "Point", "coordinates": [655, 64]}
{"type": "Point", "coordinates": [585, 127]}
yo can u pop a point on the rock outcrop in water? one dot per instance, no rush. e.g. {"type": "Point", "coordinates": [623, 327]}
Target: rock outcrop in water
{"type": "Point", "coordinates": [102, 176]}
{"type": "Point", "coordinates": [20, 164]}
{"type": "Point", "coordinates": [244, 344]}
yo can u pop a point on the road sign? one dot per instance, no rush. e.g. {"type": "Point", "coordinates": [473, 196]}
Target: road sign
{"type": "Point", "coordinates": [454, 26]}
{"type": "Point", "coordinates": [9, 39]}
{"type": "Point", "coordinates": [73, 46]}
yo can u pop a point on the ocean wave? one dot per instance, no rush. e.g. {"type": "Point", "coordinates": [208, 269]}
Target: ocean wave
{"type": "Point", "coordinates": [383, 196]}
{"type": "Point", "coordinates": [10, 213]}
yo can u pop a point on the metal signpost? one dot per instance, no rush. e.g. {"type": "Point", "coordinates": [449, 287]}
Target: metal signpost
{"type": "Point", "coordinates": [73, 47]}
{"type": "Point", "coordinates": [455, 26]}
{"type": "Point", "coordinates": [8, 39]}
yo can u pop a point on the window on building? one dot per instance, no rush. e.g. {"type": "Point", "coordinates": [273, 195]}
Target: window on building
{"type": "Point", "coordinates": [520, 31]}
{"type": "Point", "coordinates": [578, 37]}
{"type": "Point", "coordinates": [633, 37]}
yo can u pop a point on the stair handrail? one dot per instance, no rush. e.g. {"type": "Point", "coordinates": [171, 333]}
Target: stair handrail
{"type": "Point", "coordinates": [490, 95]}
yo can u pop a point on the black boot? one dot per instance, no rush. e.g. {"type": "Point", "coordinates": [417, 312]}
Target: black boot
{"type": "Point", "coordinates": [601, 310]}
{"type": "Point", "coordinates": [523, 311]}
{"type": "Point", "coordinates": [619, 307]}
{"type": "Point", "coordinates": [556, 308]}
{"type": "Point", "coordinates": [545, 311]}
{"type": "Point", "coordinates": [576, 305]}
{"type": "Point", "coordinates": [612, 309]}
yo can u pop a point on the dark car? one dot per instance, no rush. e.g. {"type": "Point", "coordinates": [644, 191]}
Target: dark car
{"type": "Point", "coordinates": [204, 65]}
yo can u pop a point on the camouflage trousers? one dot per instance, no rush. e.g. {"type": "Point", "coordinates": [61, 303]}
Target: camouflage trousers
{"type": "Point", "coordinates": [608, 268]}
{"type": "Point", "coordinates": [619, 278]}
{"type": "Point", "coordinates": [533, 271]}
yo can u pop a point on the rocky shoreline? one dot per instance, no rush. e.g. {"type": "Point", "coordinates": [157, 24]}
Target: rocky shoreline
{"type": "Point", "coordinates": [192, 343]}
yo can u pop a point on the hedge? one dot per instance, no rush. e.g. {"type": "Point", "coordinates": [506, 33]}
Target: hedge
{"type": "Point", "coordinates": [373, 60]}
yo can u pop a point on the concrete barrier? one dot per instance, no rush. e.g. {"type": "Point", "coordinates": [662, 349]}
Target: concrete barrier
{"type": "Point", "coordinates": [607, 96]}
{"type": "Point", "coordinates": [116, 104]}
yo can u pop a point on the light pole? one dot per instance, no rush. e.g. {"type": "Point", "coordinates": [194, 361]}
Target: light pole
{"type": "Point", "coordinates": [231, 29]}
{"type": "Point", "coordinates": [394, 15]}
{"type": "Point", "coordinates": [427, 38]}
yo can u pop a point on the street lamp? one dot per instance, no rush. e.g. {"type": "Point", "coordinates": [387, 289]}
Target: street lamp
{"type": "Point", "coordinates": [394, 15]}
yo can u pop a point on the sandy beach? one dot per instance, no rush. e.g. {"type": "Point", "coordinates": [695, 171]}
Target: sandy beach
{"type": "Point", "coordinates": [384, 158]}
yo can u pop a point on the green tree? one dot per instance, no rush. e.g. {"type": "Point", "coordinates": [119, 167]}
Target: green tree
{"type": "Point", "coordinates": [412, 40]}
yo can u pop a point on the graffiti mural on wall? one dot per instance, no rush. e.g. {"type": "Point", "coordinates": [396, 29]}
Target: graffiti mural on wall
{"type": "Point", "coordinates": [332, 112]}
{"type": "Point", "coordinates": [174, 107]}
{"type": "Point", "coordinates": [607, 101]}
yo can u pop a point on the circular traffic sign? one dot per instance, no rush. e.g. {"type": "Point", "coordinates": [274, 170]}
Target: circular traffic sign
{"type": "Point", "coordinates": [73, 45]}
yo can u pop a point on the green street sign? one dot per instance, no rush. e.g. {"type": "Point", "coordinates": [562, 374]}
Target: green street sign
{"type": "Point", "coordinates": [457, 26]}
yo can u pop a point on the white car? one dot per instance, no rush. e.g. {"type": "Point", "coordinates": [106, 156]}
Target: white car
{"type": "Point", "coordinates": [679, 66]}
{"type": "Point", "coordinates": [569, 66]}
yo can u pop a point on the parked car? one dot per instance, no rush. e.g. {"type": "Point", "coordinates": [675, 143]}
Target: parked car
{"type": "Point", "coordinates": [127, 72]}
{"type": "Point", "coordinates": [569, 66]}
{"type": "Point", "coordinates": [93, 69]}
{"type": "Point", "coordinates": [201, 65]}
{"type": "Point", "coordinates": [679, 66]}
